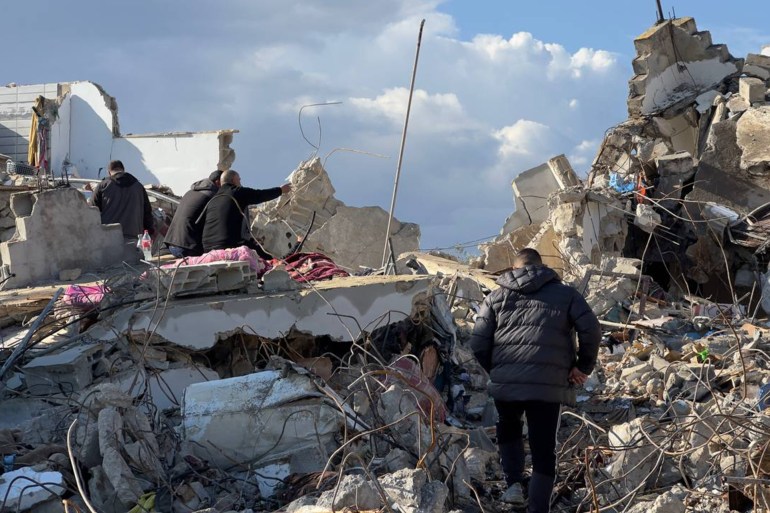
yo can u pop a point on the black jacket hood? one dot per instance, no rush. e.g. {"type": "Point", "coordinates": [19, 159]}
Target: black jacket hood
{"type": "Point", "coordinates": [528, 279]}
{"type": "Point", "coordinates": [204, 185]}
{"type": "Point", "coordinates": [123, 179]}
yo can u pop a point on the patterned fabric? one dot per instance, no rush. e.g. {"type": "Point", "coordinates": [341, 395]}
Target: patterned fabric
{"type": "Point", "coordinates": [304, 267]}
{"type": "Point", "coordinates": [239, 254]}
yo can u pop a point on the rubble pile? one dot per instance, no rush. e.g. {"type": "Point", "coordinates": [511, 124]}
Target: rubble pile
{"type": "Point", "coordinates": [321, 382]}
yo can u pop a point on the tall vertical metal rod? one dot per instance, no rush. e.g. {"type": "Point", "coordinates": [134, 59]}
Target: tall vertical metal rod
{"type": "Point", "coordinates": [403, 141]}
{"type": "Point", "coordinates": [661, 18]}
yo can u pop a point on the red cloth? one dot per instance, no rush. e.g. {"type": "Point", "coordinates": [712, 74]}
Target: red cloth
{"type": "Point", "coordinates": [425, 393]}
{"type": "Point", "coordinates": [304, 267]}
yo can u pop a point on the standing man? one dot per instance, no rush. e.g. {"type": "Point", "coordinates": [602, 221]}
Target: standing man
{"type": "Point", "coordinates": [523, 338]}
{"type": "Point", "coordinates": [225, 217]}
{"type": "Point", "coordinates": [185, 233]}
{"type": "Point", "coordinates": [122, 199]}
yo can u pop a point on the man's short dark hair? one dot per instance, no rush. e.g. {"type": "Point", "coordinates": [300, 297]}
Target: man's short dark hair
{"type": "Point", "coordinates": [216, 175]}
{"type": "Point", "coordinates": [116, 166]}
{"type": "Point", "coordinates": [527, 256]}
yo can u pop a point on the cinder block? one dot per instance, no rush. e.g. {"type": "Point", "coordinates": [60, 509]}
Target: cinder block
{"type": "Point", "coordinates": [202, 278]}
{"type": "Point", "coordinates": [62, 373]}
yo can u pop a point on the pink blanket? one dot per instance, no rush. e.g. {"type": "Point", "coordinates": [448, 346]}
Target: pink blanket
{"type": "Point", "coordinates": [83, 296]}
{"type": "Point", "coordinates": [239, 254]}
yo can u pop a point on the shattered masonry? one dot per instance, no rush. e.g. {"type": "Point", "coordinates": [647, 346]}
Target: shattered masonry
{"type": "Point", "coordinates": [326, 384]}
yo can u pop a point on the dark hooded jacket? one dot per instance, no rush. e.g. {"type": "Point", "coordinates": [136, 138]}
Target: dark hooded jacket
{"type": "Point", "coordinates": [185, 229]}
{"type": "Point", "coordinates": [523, 336]}
{"type": "Point", "coordinates": [225, 214]}
{"type": "Point", "coordinates": [122, 199]}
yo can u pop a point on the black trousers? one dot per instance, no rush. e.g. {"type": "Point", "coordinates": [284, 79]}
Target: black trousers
{"type": "Point", "coordinates": [542, 426]}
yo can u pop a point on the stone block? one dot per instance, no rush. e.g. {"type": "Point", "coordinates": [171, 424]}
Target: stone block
{"type": "Point", "coordinates": [65, 372]}
{"type": "Point", "coordinates": [752, 89]}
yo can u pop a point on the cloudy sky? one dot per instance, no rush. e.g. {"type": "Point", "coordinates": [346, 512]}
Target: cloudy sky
{"type": "Point", "coordinates": [501, 86]}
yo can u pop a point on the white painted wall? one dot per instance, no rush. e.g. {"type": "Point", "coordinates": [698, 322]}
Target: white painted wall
{"type": "Point", "coordinates": [83, 134]}
{"type": "Point", "coordinates": [176, 160]}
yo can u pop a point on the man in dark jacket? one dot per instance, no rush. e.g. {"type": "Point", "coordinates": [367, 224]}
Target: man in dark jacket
{"type": "Point", "coordinates": [122, 199]}
{"type": "Point", "coordinates": [523, 338]}
{"type": "Point", "coordinates": [225, 218]}
{"type": "Point", "coordinates": [186, 229]}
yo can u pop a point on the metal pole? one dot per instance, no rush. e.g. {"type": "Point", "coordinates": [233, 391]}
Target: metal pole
{"type": "Point", "coordinates": [661, 18]}
{"type": "Point", "coordinates": [403, 141]}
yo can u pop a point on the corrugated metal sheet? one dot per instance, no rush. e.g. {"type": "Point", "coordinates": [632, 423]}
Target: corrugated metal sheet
{"type": "Point", "coordinates": [16, 116]}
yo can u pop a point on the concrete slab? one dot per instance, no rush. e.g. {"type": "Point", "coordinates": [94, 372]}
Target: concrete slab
{"type": "Point", "coordinates": [339, 308]}
{"type": "Point", "coordinates": [259, 418]}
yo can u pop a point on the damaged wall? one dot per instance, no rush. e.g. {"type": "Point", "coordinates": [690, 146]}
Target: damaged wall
{"type": "Point", "coordinates": [57, 230]}
{"type": "Point", "coordinates": [16, 116]}
{"type": "Point", "coordinates": [87, 136]}
{"type": "Point", "coordinates": [350, 236]}
{"type": "Point", "coordinates": [675, 62]}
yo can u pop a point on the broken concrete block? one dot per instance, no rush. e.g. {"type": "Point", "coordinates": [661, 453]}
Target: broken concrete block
{"type": "Point", "coordinates": [354, 492]}
{"type": "Point", "coordinates": [57, 230]}
{"type": "Point", "coordinates": [757, 72]}
{"type": "Point", "coordinates": [752, 89]}
{"type": "Point", "coordinates": [276, 280]}
{"type": "Point", "coordinates": [753, 138]}
{"type": "Point", "coordinates": [412, 492]}
{"type": "Point", "coordinates": [19, 492]}
{"type": "Point", "coordinates": [737, 104]}
{"type": "Point", "coordinates": [673, 171]}
{"type": "Point", "coordinates": [646, 217]}
{"type": "Point", "coordinates": [531, 189]}
{"type": "Point", "coordinates": [563, 219]}
{"type": "Point", "coordinates": [266, 416]}
{"type": "Point", "coordinates": [65, 372]}
{"type": "Point", "coordinates": [110, 430]}
{"type": "Point", "coordinates": [120, 476]}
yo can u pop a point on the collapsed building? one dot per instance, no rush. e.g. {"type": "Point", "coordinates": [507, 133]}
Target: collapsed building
{"type": "Point", "coordinates": [324, 380]}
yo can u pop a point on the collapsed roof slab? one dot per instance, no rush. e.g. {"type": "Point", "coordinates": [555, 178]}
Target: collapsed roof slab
{"type": "Point", "coordinates": [340, 308]}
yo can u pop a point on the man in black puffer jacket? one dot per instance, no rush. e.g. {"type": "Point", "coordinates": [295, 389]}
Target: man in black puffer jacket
{"type": "Point", "coordinates": [523, 338]}
{"type": "Point", "coordinates": [186, 229]}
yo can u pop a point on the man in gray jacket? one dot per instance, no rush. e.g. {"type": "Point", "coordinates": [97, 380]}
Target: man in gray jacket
{"type": "Point", "coordinates": [523, 338]}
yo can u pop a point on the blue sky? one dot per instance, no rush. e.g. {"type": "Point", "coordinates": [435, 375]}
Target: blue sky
{"type": "Point", "coordinates": [502, 85]}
